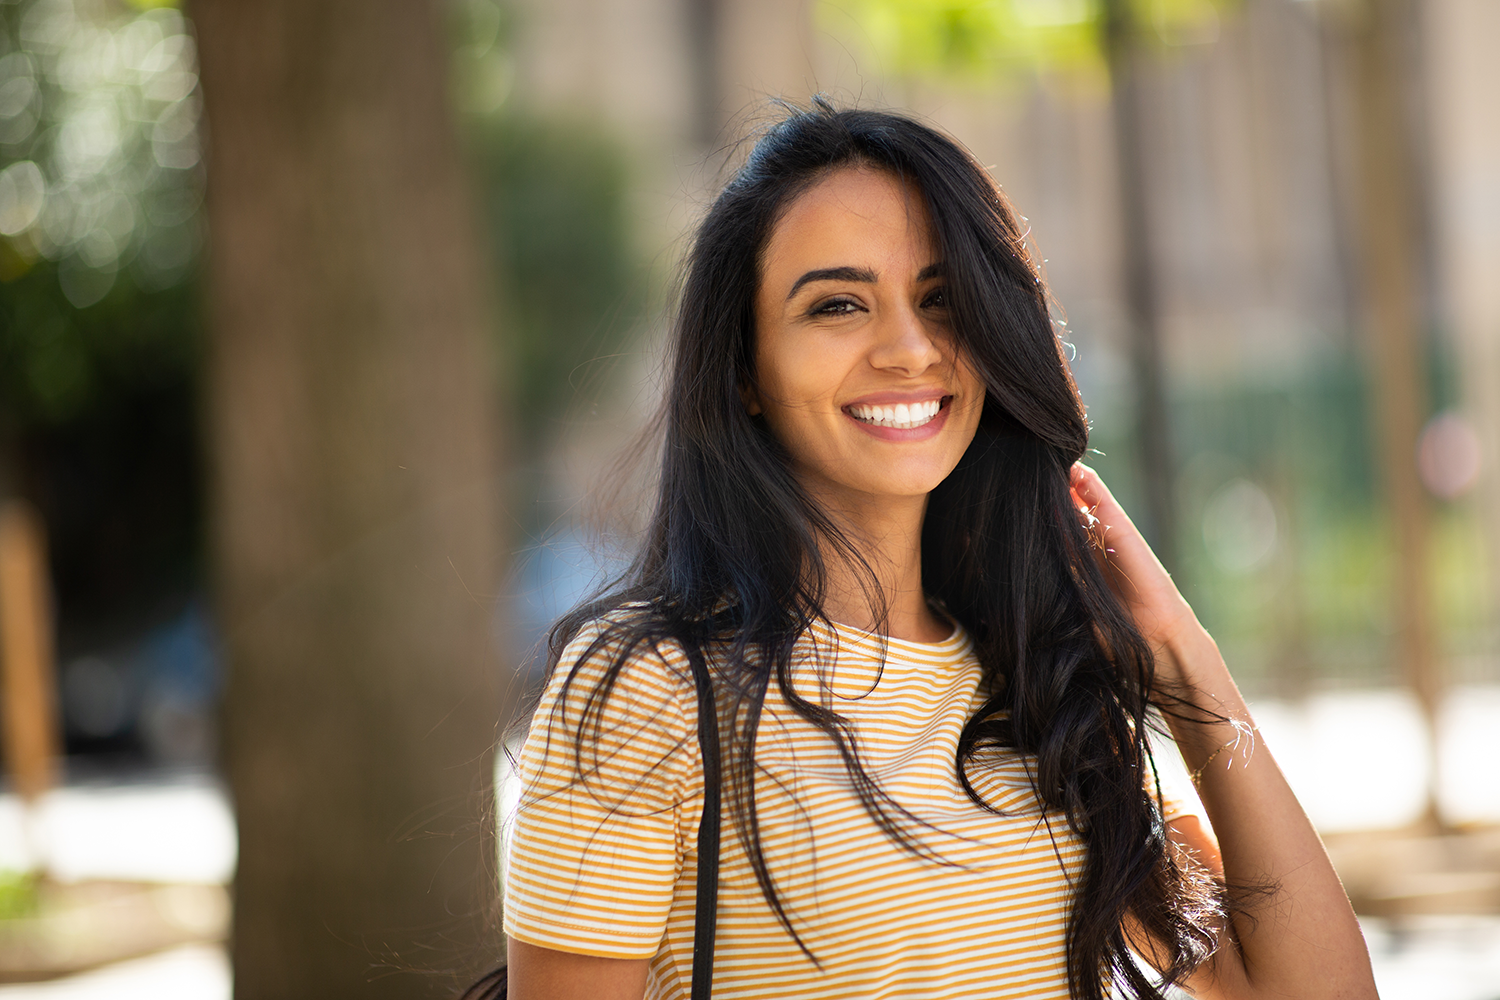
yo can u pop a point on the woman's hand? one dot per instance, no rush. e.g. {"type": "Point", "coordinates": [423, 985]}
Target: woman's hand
{"type": "Point", "coordinates": [1136, 575]}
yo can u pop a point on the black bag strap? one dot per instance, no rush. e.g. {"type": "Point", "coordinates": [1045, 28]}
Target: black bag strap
{"type": "Point", "coordinates": [494, 985]}
{"type": "Point", "coordinates": [706, 909]}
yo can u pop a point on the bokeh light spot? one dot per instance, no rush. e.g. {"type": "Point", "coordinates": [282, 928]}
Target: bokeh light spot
{"type": "Point", "coordinates": [23, 193]}
{"type": "Point", "coordinates": [1239, 527]}
{"type": "Point", "coordinates": [1449, 456]}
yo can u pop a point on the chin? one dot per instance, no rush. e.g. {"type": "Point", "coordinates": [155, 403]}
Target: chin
{"type": "Point", "coordinates": [907, 486]}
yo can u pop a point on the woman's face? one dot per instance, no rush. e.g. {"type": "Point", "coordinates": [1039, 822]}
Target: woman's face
{"type": "Point", "coordinates": [857, 372]}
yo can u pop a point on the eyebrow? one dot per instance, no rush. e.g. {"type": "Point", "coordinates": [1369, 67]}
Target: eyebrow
{"type": "Point", "coordinates": [862, 274]}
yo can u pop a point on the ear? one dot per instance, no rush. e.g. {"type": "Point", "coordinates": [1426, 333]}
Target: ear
{"type": "Point", "coordinates": [751, 399]}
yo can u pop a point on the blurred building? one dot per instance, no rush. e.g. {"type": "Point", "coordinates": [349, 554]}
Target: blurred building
{"type": "Point", "coordinates": [1248, 125]}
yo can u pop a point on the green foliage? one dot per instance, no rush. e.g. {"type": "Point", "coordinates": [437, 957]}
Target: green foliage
{"type": "Point", "coordinates": [100, 194]}
{"type": "Point", "coordinates": [19, 896]}
{"type": "Point", "coordinates": [1302, 440]}
{"type": "Point", "coordinates": [59, 363]}
{"type": "Point", "coordinates": [100, 186]}
{"type": "Point", "coordinates": [970, 37]}
{"type": "Point", "coordinates": [571, 292]}
{"type": "Point", "coordinates": [556, 203]}
{"type": "Point", "coordinates": [480, 36]}
{"type": "Point", "coordinates": [978, 39]}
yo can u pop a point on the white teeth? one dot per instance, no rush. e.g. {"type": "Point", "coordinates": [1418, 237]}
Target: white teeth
{"type": "Point", "coordinates": [901, 415]}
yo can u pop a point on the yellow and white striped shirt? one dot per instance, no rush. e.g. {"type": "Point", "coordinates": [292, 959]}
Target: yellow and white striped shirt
{"type": "Point", "coordinates": [607, 865]}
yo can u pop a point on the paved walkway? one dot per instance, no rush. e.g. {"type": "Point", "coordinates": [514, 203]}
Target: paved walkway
{"type": "Point", "coordinates": [193, 972]}
{"type": "Point", "coordinates": [1439, 958]}
{"type": "Point", "coordinates": [177, 828]}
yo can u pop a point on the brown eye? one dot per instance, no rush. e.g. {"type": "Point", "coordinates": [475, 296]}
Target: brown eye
{"type": "Point", "coordinates": [835, 307]}
{"type": "Point", "coordinates": [936, 299]}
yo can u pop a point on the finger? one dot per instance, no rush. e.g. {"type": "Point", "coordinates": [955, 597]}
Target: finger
{"type": "Point", "coordinates": [1101, 502]}
{"type": "Point", "coordinates": [1089, 494]}
{"type": "Point", "coordinates": [1092, 526]}
{"type": "Point", "coordinates": [1100, 514]}
{"type": "Point", "coordinates": [1086, 484]}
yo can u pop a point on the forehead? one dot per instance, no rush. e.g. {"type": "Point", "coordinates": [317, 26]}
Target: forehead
{"type": "Point", "coordinates": [856, 215]}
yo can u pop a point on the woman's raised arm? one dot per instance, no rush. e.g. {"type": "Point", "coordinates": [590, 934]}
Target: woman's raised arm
{"type": "Point", "coordinates": [1300, 939]}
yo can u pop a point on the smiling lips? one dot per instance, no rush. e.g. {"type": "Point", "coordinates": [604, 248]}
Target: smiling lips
{"type": "Point", "coordinates": [902, 416]}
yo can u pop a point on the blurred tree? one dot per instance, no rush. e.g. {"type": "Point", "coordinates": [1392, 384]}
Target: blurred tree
{"type": "Point", "coordinates": [555, 193]}
{"type": "Point", "coordinates": [1383, 35]}
{"type": "Point", "coordinates": [555, 201]}
{"type": "Point", "coordinates": [704, 19]}
{"type": "Point", "coordinates": [100, 183]}
{"type": "Point", "coordinates": [1124, 53]}
{"type": "Point", "coordinates": [100, 186]}
{"type": "Point", "coordinates": [354, 494]}
{"type": "Point", "coordinates": [98, 428]}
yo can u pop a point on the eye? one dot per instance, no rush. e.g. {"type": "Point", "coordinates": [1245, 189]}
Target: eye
{"type": "Point", "coordinates": [835, 307]}
{"type": "Point", "coordinates": [936, 299]}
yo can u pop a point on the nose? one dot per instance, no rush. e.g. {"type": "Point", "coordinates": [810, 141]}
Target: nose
{"type": "Point", "coordinates": [905, 343]}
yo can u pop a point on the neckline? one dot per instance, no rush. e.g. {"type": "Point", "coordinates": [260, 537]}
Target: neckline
{"type": "Point", "coordinates": [956, 642]}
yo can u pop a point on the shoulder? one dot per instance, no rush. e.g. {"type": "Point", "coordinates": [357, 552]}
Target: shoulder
{"type": "Point", "coordinates": [618, 718]}
{"type": "Point", "coordinates": [626, 641]}
{"type": "Point", "coordinates": [621, 665]}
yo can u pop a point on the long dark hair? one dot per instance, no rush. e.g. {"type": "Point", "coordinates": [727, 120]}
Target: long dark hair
{"type": "Point", "coordinates": [732, 569]}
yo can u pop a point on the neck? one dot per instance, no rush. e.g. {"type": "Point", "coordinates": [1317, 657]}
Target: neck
{"type": "Point", "coordinates": [887, 534]}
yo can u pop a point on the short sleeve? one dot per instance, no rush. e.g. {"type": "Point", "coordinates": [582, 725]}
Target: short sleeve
{"type": "Point", "coordinates": [603, 818]}
{"type": "Point", "coordinates": [1173, 807]}
{"type": "Point", "coordinates": [1178, 799]}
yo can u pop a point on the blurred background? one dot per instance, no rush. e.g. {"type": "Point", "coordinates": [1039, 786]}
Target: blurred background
{"type": "Point", "coordinates": [324, 325]}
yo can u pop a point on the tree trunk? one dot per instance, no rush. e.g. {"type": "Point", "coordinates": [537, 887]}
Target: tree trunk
{"type": "Point", "coordinates": [351, 415]}
{"type": "Point", "coordinates": [28, 698]}
{"type": "Point", "coordinates": [703, 21]}
{"type": "Point", "coordinates": [1391, 237]}
{"type": "Point", "coordinates": [1123, 51]}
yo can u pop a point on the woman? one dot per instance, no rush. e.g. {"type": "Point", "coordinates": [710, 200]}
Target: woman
{"type": "Point", "coordinates": [933, 640]}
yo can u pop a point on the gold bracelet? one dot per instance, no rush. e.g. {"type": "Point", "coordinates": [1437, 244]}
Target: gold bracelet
{"type": "Point", "coordinates": [1197, 775]}
{"type": "Point", "coordinates": [1241, 731]}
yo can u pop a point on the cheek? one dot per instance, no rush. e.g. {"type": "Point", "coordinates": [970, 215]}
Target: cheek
{"type": "Point", "coordinates": [794, 378]}
{"type": "Point", "coordinates": [973, 387]}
